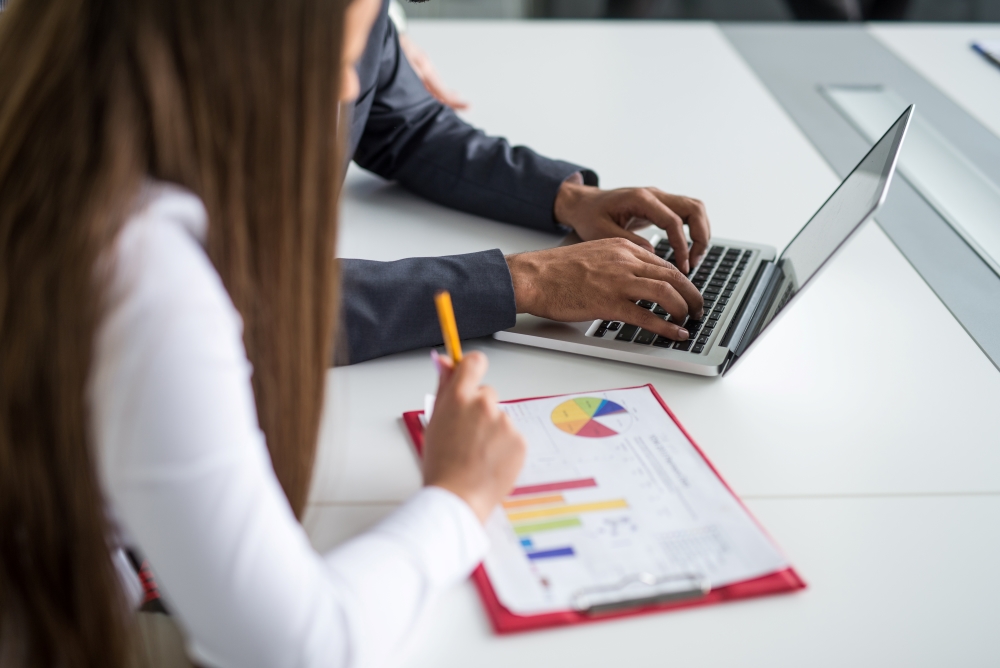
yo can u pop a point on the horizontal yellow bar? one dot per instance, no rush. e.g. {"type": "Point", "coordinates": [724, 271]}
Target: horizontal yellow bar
{"type": "Point", "coordinates": [535, 501]}
{"type": "Point", "coordinates": [567, 510]}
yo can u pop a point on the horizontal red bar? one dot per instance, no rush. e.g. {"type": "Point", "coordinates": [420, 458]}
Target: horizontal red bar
{"type": "Point", "coordinates": [554, 486]}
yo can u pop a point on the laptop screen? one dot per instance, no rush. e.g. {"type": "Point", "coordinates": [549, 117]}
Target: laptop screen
{"type": "Point", "coordinates": [851, 204]}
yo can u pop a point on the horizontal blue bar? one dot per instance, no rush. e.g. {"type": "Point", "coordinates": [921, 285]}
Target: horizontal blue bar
{"type": "Point", "coordinates": [548, 554]}
{"type": "Point", "coordinates": [526, 542]}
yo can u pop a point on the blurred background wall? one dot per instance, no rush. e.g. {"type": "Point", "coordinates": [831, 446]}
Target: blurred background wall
{"type": "Point", "coordinates": [716, 10]}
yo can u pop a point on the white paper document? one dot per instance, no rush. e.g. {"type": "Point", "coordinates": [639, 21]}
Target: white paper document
{"type": "Point", "coordinates": [612, 489]}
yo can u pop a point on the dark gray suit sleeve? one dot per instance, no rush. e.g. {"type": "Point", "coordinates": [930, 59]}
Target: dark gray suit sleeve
{"type": "Point", "coordinates": [388, 307]}
{"type": "Point", "coordinates": [412, 138]}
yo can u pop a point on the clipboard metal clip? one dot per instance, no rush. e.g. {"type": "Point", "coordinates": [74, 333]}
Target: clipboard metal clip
{"type": "Point", "coordinates": [640, 590]}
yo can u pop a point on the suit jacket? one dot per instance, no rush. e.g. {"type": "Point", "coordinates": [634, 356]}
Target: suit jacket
{"type": "Point", "coordinates": [400, 132]}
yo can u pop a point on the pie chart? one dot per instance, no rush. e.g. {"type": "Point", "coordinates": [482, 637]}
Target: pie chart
{"type": "Point", "coordinates": [591, 417]}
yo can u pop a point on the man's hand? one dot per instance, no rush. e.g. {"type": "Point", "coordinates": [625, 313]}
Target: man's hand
{"type": "Point", "coordinates": [603, 279]}
{"type": "Point", "coordinates": [598, 214]}
{"type": "Point", "coordinates": [429, 76]}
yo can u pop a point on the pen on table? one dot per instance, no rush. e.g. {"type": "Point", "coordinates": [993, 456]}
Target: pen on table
{"type": "Point", "coordinates": [449, 330]}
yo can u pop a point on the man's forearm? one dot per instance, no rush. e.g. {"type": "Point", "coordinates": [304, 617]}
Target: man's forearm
{"type": "Point", "coordinates": [414, 139]}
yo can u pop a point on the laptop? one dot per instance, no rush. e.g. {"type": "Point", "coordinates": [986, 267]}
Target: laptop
{"type": "Point", "coordinates": [745, 285]}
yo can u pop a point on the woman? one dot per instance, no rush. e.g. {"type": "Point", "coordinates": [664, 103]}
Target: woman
{"type": "Point", "coordinates": [168, 188]}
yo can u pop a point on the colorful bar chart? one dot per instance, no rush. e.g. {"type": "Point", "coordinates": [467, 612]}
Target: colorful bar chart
{"type": "Point", "coordinates": [535, 509]}
{"type": "Point", "coordinates": [554, 487]}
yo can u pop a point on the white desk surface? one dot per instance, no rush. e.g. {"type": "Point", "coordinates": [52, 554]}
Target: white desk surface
{"type": "Point", "coordinates": [866, 440]}
{"type": "Point", "coordinates": [943, 55]}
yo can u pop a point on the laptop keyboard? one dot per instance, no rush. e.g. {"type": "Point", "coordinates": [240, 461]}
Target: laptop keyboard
{"type": "Point", "coordinates": [717, 278]}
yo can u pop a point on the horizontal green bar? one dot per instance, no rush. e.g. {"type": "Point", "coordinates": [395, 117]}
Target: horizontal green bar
{"type": "Point", "coordinates": [524, 529]}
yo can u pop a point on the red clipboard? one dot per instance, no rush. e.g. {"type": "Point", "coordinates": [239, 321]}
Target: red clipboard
{"type": "Point", "coordinates": [504, 621]}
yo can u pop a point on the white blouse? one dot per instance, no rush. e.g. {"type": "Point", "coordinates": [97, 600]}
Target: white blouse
{"type": "Point", "coordinates": [188, 480]}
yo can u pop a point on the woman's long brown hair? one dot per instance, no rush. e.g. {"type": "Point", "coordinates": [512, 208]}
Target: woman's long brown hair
{"type": "Point", "coordinates": [235, 100]}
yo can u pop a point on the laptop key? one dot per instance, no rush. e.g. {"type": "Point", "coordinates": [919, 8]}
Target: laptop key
{"type": "Point", "coordinates": [659, 310]}
{"type": "Point", "coordinates": [683, 345]}
{"type": "Point", "coordinates": [601, 331]}
{"type": "Point", "coordinates": [727, 293]}
{"type": "Point", "coordinates": [627, 333]}
{"type": "Point", "coordinates": [663, 342]}
{"type": "Point", "coordinates": [645, 304]}
{"type": "Point", "coordinates": [614, 326]}
{"type": "Point", "coordinates": [702, 340]}
{"type": "Point", "coordinates": [645, 337]}
{"type": "Point", "coordinates": [698, 348]}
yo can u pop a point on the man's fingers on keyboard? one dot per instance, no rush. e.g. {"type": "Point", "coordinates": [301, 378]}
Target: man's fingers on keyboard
{"type": "Point", "coordinates": [698, 250]}
{"type": "Point", "coordinates": [649, 258]}
{"type": "Point", "coordinates": [663, 294]}
{"type": "Point", "coordinates": [636, 315]}
{"type": "Point", "coordinates": [679, 285]}
{"type": "Point", "coordinates": [661, 270]}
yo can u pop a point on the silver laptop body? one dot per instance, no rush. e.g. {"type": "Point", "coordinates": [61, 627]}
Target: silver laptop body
{"type": "Point", "coordinates": [745, 285]}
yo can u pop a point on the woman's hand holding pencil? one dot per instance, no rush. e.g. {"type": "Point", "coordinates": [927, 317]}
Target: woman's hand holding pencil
{"type": "Point", "coordinates": [471, 447]}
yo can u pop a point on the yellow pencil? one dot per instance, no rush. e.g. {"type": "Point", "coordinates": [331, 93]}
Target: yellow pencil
{"type": "Point", "coordinates": [449, 330]}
